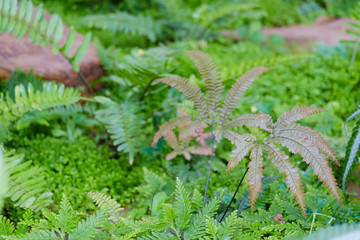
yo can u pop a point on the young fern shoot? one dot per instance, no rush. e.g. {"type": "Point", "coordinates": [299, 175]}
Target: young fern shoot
{"type": "Point", "coordinates": [211, 112]}
{"type": "Point", "coordinates": [296, 138]}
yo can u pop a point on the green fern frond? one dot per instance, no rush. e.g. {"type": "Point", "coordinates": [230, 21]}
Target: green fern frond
{"type": "Point", "coordinates": [125, 22]}
{"type": "Point", "coordinates": [19, 20]}
{"type": "Point", "coordinates": [124, 124]}
{"type": "Point", "coordinates": [106, 202]}
{"type": "Point", "coordinates": [159, 236]}
{"type": "Point", "coordinates": [227, 228]}
{"type": "Point", "coordinates": [26, 184]}
{"type": "Point", "coordinates": [198, 224]}
{"type": "Point", "coordinates": [35, 235]}
{"type": "Point", "coordinates": [6, 227]}
{"type": "Point", "coordinates": [352, 155]}
{"type": "Point", "coordinates": [67, 218]}
{"type": "Point", "coordinates": [88, 228]}
{"type": "Point", "coordinates": [182, 206]}
{"type": "Point", "coordinates": [28, 100]}
{"type": "Point", "coordinates": [43, 117]}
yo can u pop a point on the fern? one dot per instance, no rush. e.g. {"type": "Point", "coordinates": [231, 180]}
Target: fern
{"type": "Point", "coordinates": [125, 22]}
{"type": "Point", "coordinates": [182, 206]}
{"type": "Point", "coordinates": [124, 125]}
{"type": "Point", "coordinates": [210, 111]}
{"type": "Point", "coordinates": [181, 144]}
{"type": "Point", "coordinates": [18, 19]}
{"type": "Point", "coordinates": [352, 148]}
{"type": "Point", "coordinates": [36, 235]}
{"type": "Point", "coordinates": [6, 227]}
{"type": "Point", "coordinates": [26, 184]}
{"type": "Point", "coordinates": [88, 228]}
{"type": "Point", "coordinates": [105, 202]}
{"type": "Point", "coordinates": [29, 100]}
{"type": "Point", "coordinates": [198, 227]}
{"type": "Point", "coordinates": [305, 141]}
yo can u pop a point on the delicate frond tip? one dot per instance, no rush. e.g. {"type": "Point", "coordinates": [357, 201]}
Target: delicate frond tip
{"type": "Point", "coordinates": [238, 90]}
{"type": "Point", "coordinates": [296, 114]}
{"type": "Point", "coordinates": [282, 162]}
{"type": "Point", "coordinates": [261, 120]}
{"type": "Point", "coordinates": [190, 90]}
{"type": "Point", "coordinates": [211, 76]}
{"type": "Point", "coordinates": [255, 173]}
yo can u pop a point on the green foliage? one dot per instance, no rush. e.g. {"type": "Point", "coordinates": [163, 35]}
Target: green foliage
{"type": "Point", "coordinates": [19, 20]}
{"type": "Point", "coordinates": [353, 148]}
{"type": "Point", "coordinates": [72, 168]}
{"type": "Point", "coordinates": [3, 179]}
{"type": "Point", "coordinates": [105, 202]}
{"type": "Point", "coordinates": [27, 187]}
{"type": "Point", "coordinates": [64, 225]}
{"type": "Point", "coordinates": [125, 22]}
{"type": "Point", "coordinates": [124, 125]}
{"type": "Point", "coordinates": [27, 99]}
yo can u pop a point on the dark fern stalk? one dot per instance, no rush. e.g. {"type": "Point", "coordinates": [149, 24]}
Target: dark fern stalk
{"type": "Point", "coordinates": [232, 199]}
{"type": "Point", "coordinates": [210, 165]}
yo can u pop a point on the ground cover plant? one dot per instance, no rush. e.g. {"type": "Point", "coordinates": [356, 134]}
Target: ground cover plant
{"type": "Point", "coordinates": [152, 155]}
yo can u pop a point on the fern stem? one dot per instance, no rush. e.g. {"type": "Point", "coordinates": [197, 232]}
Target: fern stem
{"type": "Point", "coordinates": [147, 87]}
{"type": "Point", "coordinates": [242, 179]}
{"type": "Point", "coordinates": [211, 159]}
{"type": "Point", "coordinates": [83, 79]}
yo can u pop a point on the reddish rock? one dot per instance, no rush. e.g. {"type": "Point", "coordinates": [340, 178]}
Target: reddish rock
{"type": "Point", "coordinates": [24, 54]}
{"type": "Point", "coordinates": [325, 30]}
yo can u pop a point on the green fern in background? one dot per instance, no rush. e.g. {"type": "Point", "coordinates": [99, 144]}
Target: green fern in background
{"type": "Point", "coordinates": [125, 22]}
{"type": "Point", "coordinates": [27, 99]}
{"type": "Point", "coordinates": [352, 156]}
{"type": "Point", "coordinates": [64, 225]}
{"type": "Point", "coordinates": [123, 123]}
{"type": "Point", "coordinates": [18, 19]}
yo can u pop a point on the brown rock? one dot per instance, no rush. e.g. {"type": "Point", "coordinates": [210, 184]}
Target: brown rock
{"type": "Point", "coordinates": [325, 30]}
{"type": "Point", "coordinates": [24, 54]}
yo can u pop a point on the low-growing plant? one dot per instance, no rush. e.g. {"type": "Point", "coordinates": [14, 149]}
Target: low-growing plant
{"type": "Point", "coordinates": [297, 139]}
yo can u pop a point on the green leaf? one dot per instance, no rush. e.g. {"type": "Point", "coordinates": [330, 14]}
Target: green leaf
{"type": "Point", "coordinates": [51, 25]}
{"type": "Point", "coordinates": [70, 41]}
{"type": "Point", "coordinates": [13, 8]}
{"type": "Point", "coordinates": [80, 53]}
{"type": "Point", "coordinates": [38, 15]}
{"type": "Point", "coordinates": [59, 31]}
{"type": "Point", "coordinates": [29, 12]}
